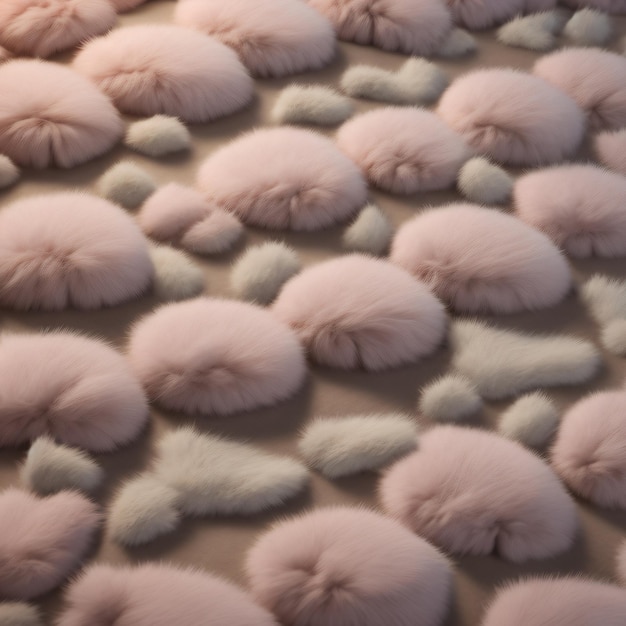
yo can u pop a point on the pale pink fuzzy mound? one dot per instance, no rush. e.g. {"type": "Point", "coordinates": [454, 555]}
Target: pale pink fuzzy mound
{"type": "Point", "coordinates": [348, 567]}
{"type": "Point", "coordinates": [122, 6]}
{"type": "Point", "coordinates": [471, 491]}
{"type": "Point", "coordinates": [216, 357]}
{"type": "Point", "coordinates": [403, 149]}
{"type": "Point", "coordinates": [42, 540]}
{"type": "Point", "coordinates": [305, 182]}
{"type": "Point", "coordinates": [481, 260]}
{"type": "Point", "coordinates": [52, 116]}
{"type": "Point", "coordinates": [274, 38]}
{"type": "Point", "coordinates": [154, 69]}
{"type": "Point", "coordinates": [478, 14]}
{"type": "Point", "coordinates": [417, 27]}
{"type": "Point", "coordinates": [73, 389]}
{"type": "Point", "coordinates": [557, 602]}
{"type": "Point", "coordinates": [513, 117]}
{"type": "Point", "coordinates": [590, 449]}
{"type": "Point", "coordinates": [610, 149]}
{"type": "Point", "coordinates": [608, 6]}
{"type": "Point", "coordinates": [40, 28]}
{"type": "Point", "coordinates": [621, 563]}
{"type": "Point", "coordinates": [70, 250]}
{"type": "Point", "coordinates": [594, 78]}
{"type": "Point", "coordinates": [582, 208]}
{"type": "Point", "coordinates": [157, 595]}
{"type": "Point", "coordinates": [359, 312]}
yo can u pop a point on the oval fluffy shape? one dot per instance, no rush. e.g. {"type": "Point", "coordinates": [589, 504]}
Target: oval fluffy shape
{"type": "Point", "coordinates": [495, 497]}
{"type": "Point", "coordinates": [52, 116]}
{"type": "Point", "coordinates": [272, 39]}
{"type": "Point", "coordinates": [172, 70]}
{"type": "Point", "coordinates": [589, 450]}
{"type": "Point", "coordinates": [478, 14]}
{"type": "Point", "coordinates": [610, 149]}
{"type": "Point", "coordinates": [356, 311]}
{"type": "Point", "coordinates": [283, 194]}
{"type": "Point", "coordinates": [42, 540]}
{"type": "Point", "coordinates": [215, 356]}
{"type": "Point", "coordinates": [348, 567]}
{"type": "Point", "coordinates": [513, 117]}
{"type": "Point", "coordinates": [416, 27]}
{"type": "Point", "coordinates": [75, 389]}
{"type": "Point", "coordinates": [70, 250]}
{"type": "Point", "coordinates": [157, 595]}
{"type": "Point", "coordinates": [479, 259]}
{"type": "Point", "coordinates": [404, 150]}
{"type": "Point", "coordinates": [580, 207]}
{"type": "Point", "coordinates": [571, 601]}
{"type": "Point", "coordinates": [594, 78]}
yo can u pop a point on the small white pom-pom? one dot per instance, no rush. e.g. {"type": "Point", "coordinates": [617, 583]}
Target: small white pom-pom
{"type": "Point", "coordinates": [452, 398]}
{"type": "Point", "coordinates": [370, 232]}
{"type": "Point", "coordinates": [589, 28]}
{"type": "Point", "coordinates": [481, 181]}
{"type": "Point", "coordinates": [126, 184]}
{"type": "Point", "coordinates": [19, 614]}
{"type": "Point", "coordinates": [176, 276]}
{"type": "Point", "coordinates": [459, 43]}
{"type": "Point", "coordinates": [531, 420]}
{"type": "Point", "coordinates": [311, 104]}
{"type": "Point", "coordinates": [614, 337]}
{"type": "Point", "coordinates": [533, 32]}
{"type": "Point", "coordinates": [158, 136]}
{"type": "Point", "coordinates": [9, 173]}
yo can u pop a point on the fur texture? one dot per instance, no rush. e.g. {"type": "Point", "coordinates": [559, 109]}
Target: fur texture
{"type": "Point", "coordinates": [407, 26]}
{"type": "Point", "coordinates": [621, 563]}
{"type": "Point", "coordinates": [513, 117]}
{"type": "Point", "coordinates": [311, 104]}
{"type": "Point", "coordinates": [495, 497]}
{"type": "Point", "coordinates": [613, 337]}
{"type": "Point", "coordinates": [589, 28]}
{"type": "Point", "coordinates": [359, 312]}
{"type": "Point", "coordinates": [51, 467]}
{"type": "Point", "coordinates": [478, 259]}
{"type": "Point", "coordinates": [479, 14]}
{"type": "Point", "coordinates": [276, 39]}
{"type": "Point", "coordinates": [580, 207]}
{"type": "Point", "coordinates": [181, 216]}
{"type": "Point", "coordinates": [157, 595]}
{"type": "Point", "coordinates": [608, 6]}
{"type": "Point", "coordinates": [426, 159]}
{"type": "Point", "coordinates": [349, 445]}
{"type": "Point", "coordinates": [606, 300]}
{"type": "Point", "coordinates": [42, 540]}
{"type": "Point", "coordinates": [158, 136]}
{"type": "Point", "coordinates": [9, 173]}
{"type": "Point", "coordinates": [74, 389]}
{"type": "Point", "coordinates": [51, 259]}
{"type": "Point", "coordinates": [537, 32]}
{"type": "Point", "coordinates": [126, 184]}
{"type": "Point", "coordinates": [595, 79]}
{"type": "Point", "coordinates": [324, 569]}
{"type": "Point", "coordinates": [483, 182]}
{"type": "Point", "coordinates": [371, 232]}
{"type": "Point", "coordinates": [459, 43]}
{"type": "Point", "coordinates": [51, 116]}
{"type": "Point", "coordinates": [176, 275]}
{"type": "Point", "coordinates": [417, 81]}
{"type": "Point", "coordinates": [451, 398]}
{"type": "Point", "coordinates": [502, 363]}
{"type": "Point", "coordinates": [215, 356]}
{"type": "Point", "coordinates": [262, 270]}
{"type": "Point", "coordinates": [150, 69]}
{"type": "Point", "coordinates": [19, 614]}
{"type": "Point", "coordinates": [283, 194]}
{"type": "Point", "coordinates": [610, 149]}
{"type": "Point", "coordinates": [590, 450]}
{"type": "Point", "coordinates": [531, 420]}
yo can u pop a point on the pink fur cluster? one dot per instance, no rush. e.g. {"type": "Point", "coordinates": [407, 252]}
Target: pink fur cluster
{"type": "Point", "coordinates": [513, 117]}
{"type": "Point", "coordinates": [610, 149]}
{"type": "Point", "coordinates": [356, 311]}
{"type": "Point", "coordinates": [348, 567]}
{"type": "Point", "coordinates": [478, 14]}
{"type": "Point", "coordinates": [403, 149]}
{"type": "Point", "coordinates": [154, 69]}
{"type": "Point", "coordinates": [608, 6]}
{"type": "Point", "coordinates": [480, 259]}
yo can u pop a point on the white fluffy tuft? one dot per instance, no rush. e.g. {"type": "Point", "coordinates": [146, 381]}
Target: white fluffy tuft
{"type": "Point", "coordinates": [126, 184]}
{"type": "Point", "coordinates": [589, 27]}
{"type": "Point", "coordinates": [459, 43]}
{"type": "Point", "coordinates": [531, 420]}
{"type": "Point", "coordinates": [19, 614]}
{"type": "Point", "coordinates": [311, 104]}
{"type": "Point", "coordinates": [452, 398]}
{"type": "Point", "coordinates": [158, 136]}
{"type": "Point", "coordinates": [416, 82]}
{"type": "Point", "coordinates": [262, 270]}
{"type": "Point", "coordinates": [613, 337]}
{"type": "Point", "coordinates": [176, 276]}
{"type": "Point", "coordinates": [51, 467]}
{"type": "Point", "coordinates": [481, 181]}
{"type": "Point", "coordinates": [9, 172]}
{"type": "Point", "coordinates": [370, 232]}
{"type": "Point", "coordinates": [349, 445]}
{"type": "Point", "coordinates": [534, 32]}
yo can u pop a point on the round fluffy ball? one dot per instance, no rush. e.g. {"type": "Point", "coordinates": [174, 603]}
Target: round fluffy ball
{"type": "Point", "coordinates": [126, 184]}
{"type": "Point", "coordinates": [452, 398]}
{"type": "Point", "coordinates": [357, 311]}
{"type": "Point", "coordinates": [589, 450]}
{"type": "Point", "coordinates": [403, 150]}
{"type": "Point", "coordinates": [272, 39]}
{"type": "Point", "coordinates": [416, 27]}
{"type": "Point", "coordinates": [532, 420]}
{"type": "Point", "coordinates": [158, 136]}
{"type": "Point", "coordinates": [495, 497]}
{"type": "Point", "coordinates": [70, 250]}
{"type": "Point", "coordinates": [215, 356]}
{"type": "Point", "coordinates": [480, 259]}
{"type": "Point", "coordinates": [348, 567]}
{"type": "Point", "coordinates": [610, 149]}
{"type": "Point", "coordinates": [283, 193]}
{"type": "Point", "coordinates": [154, 69]}
{"type": "Point", "coordinates": [478, 14]}
{"type": "Point", "coordinates": [483, 182]}
{"type": "Point", "coordinates": [594, 78]}
{"type": "Point", "coordinates": [52, 116]}
{"type": "Point", "coordinates": [512, 117]}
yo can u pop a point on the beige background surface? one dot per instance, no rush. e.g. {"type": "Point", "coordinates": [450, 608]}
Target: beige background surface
{"type": "Point", "coordinates": [219, 545]}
